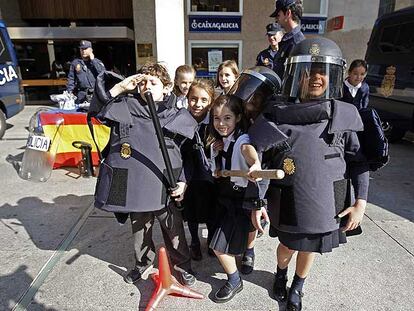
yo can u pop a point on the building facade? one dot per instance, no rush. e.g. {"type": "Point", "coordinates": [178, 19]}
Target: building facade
{"type": "Point", "coordinates": [127, 33]}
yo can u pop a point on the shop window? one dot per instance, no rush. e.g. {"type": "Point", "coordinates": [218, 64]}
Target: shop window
{"type": "Point", "coordinates": [315, 8]}
{"type": "Point", "coordinates": [214, 7]}
{"type": "Point", "coordinates": [206, 56]}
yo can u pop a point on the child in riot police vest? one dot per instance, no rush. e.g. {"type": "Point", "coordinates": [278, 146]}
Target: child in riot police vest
{"type": "Point", "coordinates": [132, 180]}
{"type": "Point", "coordinates": [199, 200]}
{"type": "Point", "coordinates": [313, 137]}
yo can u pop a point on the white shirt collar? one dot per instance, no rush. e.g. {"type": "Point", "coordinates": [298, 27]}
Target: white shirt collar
{"type": "Point", "coordinates": [227, 140]}
{"type": "Point", "coordinates": [353, 89]}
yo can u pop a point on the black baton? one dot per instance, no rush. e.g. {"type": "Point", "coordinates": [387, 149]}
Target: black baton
{"type": "Point", "coordinates": [163, 147]}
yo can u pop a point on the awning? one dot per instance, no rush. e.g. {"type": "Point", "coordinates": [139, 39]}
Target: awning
{"type": "Point", "coordinates": [71, 33]}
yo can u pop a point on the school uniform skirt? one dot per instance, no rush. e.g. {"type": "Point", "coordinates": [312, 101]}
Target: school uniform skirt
{"type": "Point", "coordinates": [234, 224]}
{"type": "Point", "coordinates": [305, 242]}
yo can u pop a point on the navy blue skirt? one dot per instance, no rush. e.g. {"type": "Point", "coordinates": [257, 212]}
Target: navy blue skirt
{"type": "Point", "coordinates": [234, 225]}
{"type": "Point", "coordinates": [305, 242]}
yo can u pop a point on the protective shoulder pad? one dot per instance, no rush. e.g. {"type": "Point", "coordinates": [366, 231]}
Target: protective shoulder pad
{"type": "Point", "coordinates": [183, 123]}
{"type": "Point", "coordinates": [264, 134]}
{"type": "Point", "coordinates": [345, 117]}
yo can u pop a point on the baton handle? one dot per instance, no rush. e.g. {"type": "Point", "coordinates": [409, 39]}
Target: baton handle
{"type": "Point", "coordinates": [161, 142]}
{"type": "Point", "coordinates": [265, 174]}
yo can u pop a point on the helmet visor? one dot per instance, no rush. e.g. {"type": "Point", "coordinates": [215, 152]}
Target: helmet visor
{"type": "Point", "coordinates": [253, 92]}
{"type": "Point", "coordinates": [312, 80]}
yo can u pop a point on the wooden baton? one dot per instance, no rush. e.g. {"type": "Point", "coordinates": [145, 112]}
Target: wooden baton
{"type": "Point", "coordinates": [265, 174]}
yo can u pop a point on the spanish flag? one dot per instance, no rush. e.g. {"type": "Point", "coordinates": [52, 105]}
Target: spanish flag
{"type": "Point", "coordinates": [73, 128]}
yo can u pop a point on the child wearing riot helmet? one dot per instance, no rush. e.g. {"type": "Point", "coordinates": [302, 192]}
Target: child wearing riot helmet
{"type": "Point", "coordinates": [199, 200]}
{"type": "Point", "coordinates": [227, 74]}
{"type": "Point", "coordinates": [184, 76]}
{"type": "Point", "coordinates": [132, 181]}
{"type": "Point", "coordinates": [231, 149]}
{"type": "Point", "coordinates": [319, 142]}
{"type": "Point", "coordinates": [356, 90]}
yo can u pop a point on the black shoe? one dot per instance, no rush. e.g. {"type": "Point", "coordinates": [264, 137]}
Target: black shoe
{"type": "Point", "coordinates": [247, 264]}
{"type": "Point", "coordinates": [227, 292]}
{"type": "Point", "coordinates": [187, 278]}
{"type": "Point", "coordinates": [279, 288]}
{"type": "Point", "coordinates": [135, 274]}
{"type": "Point", "coordinates": [195, 253]}
{"type": "Point", "coordinates": [294, 306]}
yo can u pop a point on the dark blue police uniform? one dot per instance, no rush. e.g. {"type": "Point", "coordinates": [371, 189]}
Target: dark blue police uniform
{"type": "Point", "coordinates": [82, 75]}
{"type": "Point", "coordinates": [267, 57]}
{"type": "Point", "coordinates": [289, 40]}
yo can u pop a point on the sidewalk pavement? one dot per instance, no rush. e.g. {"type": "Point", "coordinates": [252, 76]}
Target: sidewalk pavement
{"type": "Point", "coordinates": [59, 253]}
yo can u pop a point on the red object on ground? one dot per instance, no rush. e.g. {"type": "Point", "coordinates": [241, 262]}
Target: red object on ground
{"type": "Point", "coordinates": [166, 284]}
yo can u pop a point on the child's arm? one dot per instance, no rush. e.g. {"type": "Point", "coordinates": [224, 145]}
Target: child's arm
{"type": "Point", "coordinates": [128, 84]}
{"type": "Point", "coordinates": [252, 159]}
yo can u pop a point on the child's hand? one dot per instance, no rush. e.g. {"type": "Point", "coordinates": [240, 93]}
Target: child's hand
{"type": "Point", "coordinates": [256, 216]}
{"type": "Point", "coordinates": [130, 83]}
{"type": "Point", "coordinates": [218, 145]}
{"type": "Point", "coordinates": [356, 213]}
{"type": "Point", "coordinates": [126, 85]}
{"type": "Point", "coordinates": [255, 167]}
{"type": "Point", "coordinates": [178, 194]}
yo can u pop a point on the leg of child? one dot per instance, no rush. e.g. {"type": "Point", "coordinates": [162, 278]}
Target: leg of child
{"type": "Point", "coordinates": [284, 255]}
{"type": "Point", "coordinates": [304, 262]}
{"type": "Point", "coordinates": [247, 264]}
{"type": "Point", "coordinates": [234, 283]}
{"type": "Point", "coordinates": [143, 245]}
{"type": "Point", "coordinates": [195, 249]}
{"type": "Point", "coordinates": [176, 244]}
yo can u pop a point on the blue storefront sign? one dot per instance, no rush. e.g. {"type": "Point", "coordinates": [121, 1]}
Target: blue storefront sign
{"type": "Point", "coordinates": [214, 23]}
{"type": "Point", "coordinates": [313, 25]}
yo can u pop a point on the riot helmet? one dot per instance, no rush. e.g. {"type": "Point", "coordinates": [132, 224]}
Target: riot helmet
{"type": "Point", "coordinates": [254, 86]}
{"type": "Point", "coordinates": [314, 70]}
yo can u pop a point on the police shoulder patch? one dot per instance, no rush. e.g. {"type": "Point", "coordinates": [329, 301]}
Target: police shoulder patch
{"type": "Point", "coordinates": [125, 151]}
{"type": "Point", "coordinates": [289, 166]}
{"type": "Point", "coordinates": [78, 67]}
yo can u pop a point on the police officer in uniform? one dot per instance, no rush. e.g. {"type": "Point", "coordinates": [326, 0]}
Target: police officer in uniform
{"type": "Point", "coordinates": [83, 72]}
{"type": "Point", "coordinates": [266, 57]}
{"type": "Point", "coordinates": [287, 14]}
{"type": "Point", "coordinates": [313, 138]}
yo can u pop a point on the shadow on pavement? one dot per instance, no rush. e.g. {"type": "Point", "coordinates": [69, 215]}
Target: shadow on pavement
{"type": "Point", "coordinates": [21, 281]}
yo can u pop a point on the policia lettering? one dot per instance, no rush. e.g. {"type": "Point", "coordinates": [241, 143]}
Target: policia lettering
{"type": "Point", "coordinates": [7, 74]}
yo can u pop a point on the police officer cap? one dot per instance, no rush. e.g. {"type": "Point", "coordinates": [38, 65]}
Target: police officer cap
{"type": "Point", "coordinates": [273, 28]}
{"type": "Point", "coordinates": [84, 44]}
{"type": "Point", "coordinates": [281, 4]}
